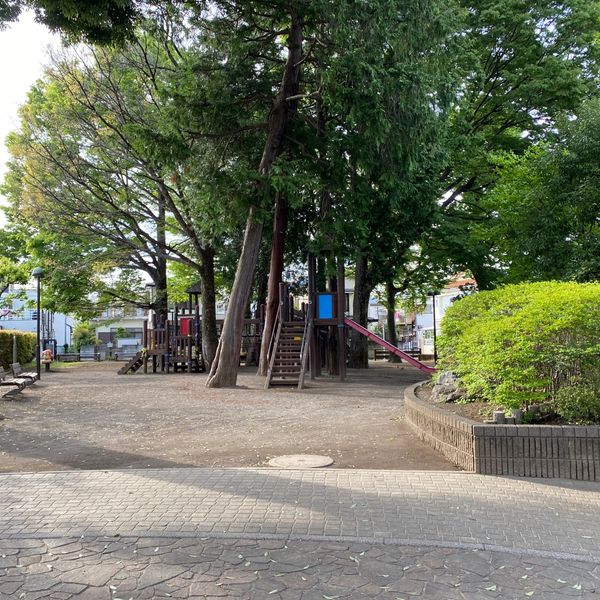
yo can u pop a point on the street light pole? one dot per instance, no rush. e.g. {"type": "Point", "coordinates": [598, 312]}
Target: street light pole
{"type": "Point", "coordinates": [433, 295]}
{"type": "Point", "coordinates": [38, 273]}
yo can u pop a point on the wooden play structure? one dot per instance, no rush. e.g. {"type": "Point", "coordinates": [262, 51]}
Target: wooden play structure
{"type": "Point", "coordinates": [304, 340]}
{"type": "Point", "coordinates": [175, 344]}
{"type": "Point", "coordinates": [170, 344]}
{"type": "Point", "coordinates": [315, 338]}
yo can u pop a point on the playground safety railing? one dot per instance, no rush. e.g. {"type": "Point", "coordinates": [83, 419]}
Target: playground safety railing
{"type": "Point", "coordinates": [308, 330]}
{"type": "Point", "coordinates": [274, 330]}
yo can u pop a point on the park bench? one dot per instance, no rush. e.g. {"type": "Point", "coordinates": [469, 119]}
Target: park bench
{"type": "Point", "coordinates": [16, 383]}
{"type": "Point", "coordinates": [380, 354]}
{"type": "Point", "coordinates": [68, 357]}
{"type": "Point", "coordinates": [18, 372]}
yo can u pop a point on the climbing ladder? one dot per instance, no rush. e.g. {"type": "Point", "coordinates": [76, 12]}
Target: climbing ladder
{"type": "Point", "coordinates": [285, 365]}
{"type": "Point", "coordinates": [133, 364]}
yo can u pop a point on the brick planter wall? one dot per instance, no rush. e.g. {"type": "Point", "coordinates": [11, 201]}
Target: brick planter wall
{"type": "Point", "coordinates": [526, 450]}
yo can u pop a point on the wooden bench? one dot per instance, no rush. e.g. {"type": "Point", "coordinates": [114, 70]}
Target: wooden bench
{"type": "Point", "coordinates": [18, 373]}
{"type": "Point", "coordinates": [380, 354]}
{"type": "Point", "coordinates": [16, 383]}
{"type": "Point", "coordinates": [68, 357]}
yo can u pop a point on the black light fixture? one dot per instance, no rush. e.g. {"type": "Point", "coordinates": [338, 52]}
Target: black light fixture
{"type": "Point", "coordinates": [151, 289]}
{"type": "Point", "coordinates": [38, 273]}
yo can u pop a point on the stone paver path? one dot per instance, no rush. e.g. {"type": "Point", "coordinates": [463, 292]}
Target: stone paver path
{"type": "Point", "coordinates": [550, 518]}
{"type": "Point", "coordinates": [146, 568]}
{"type": "Point", "coordinates": [295, 535]}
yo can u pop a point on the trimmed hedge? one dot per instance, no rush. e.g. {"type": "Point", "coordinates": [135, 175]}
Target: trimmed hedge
{"type": "Point", "coordinates": [527, 343]}
{"type": "Point", "coordinates": [25, 347]}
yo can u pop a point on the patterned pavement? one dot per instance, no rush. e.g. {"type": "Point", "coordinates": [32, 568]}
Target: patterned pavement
{"type": "Point", "coordinates": [266, 533]}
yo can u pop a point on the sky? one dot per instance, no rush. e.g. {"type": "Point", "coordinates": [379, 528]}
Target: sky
{"type": "Point", "coordinates": [23, 48]}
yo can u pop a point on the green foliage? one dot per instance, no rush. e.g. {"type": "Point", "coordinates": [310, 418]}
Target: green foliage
{"type": "Point", "coordinates": [526, 64]}
{"type": "Point", "coordinates": [579, 401]}
{"type": "Point", "coordinates": [25, 347]}
{"type": "Point", "coordinates": [83, 335]}
{"type": "Point", "coordinates": [546, 205]}
{"type": "Point", "coordinates": [101, 21]}
{"type": "Point", "coordinates": [521, 344]}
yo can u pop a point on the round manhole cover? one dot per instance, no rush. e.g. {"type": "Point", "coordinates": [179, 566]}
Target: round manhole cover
{"type": "Point", "coordinates": [301, 461]}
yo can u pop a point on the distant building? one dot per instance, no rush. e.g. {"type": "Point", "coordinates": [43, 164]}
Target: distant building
{"type": "Point", "coordinates": [414, 330]}
{"type": "Point", "coordinates": [120, 330]}
{"type": "Point", "coordinates": [21, 314]}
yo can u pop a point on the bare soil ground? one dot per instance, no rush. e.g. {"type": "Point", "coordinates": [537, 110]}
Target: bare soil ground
{"type": "Point", "coordinates": [91, 418]}
{"type": "Point", "coordinates": [477, 411]}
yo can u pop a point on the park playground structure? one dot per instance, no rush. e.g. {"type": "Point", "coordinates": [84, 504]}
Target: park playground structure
{"type": "Point", "coordinates": [303, 341]}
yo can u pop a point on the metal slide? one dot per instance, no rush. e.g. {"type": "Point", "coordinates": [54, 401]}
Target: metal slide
{"type": "Point", "coordinates": [375, 338]}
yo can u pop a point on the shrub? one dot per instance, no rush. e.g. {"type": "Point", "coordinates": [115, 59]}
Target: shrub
{"type": "Point", "coordinates": [579, 402]}
{"type": "Point", "coordinates": [25, 347]}
{"type": "Point", "coordinates": [521, 344]}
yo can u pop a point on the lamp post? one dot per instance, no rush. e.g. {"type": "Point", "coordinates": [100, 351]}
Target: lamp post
{"type": "Point", "coordinates": [433, 295]}
{"type": "Point", "coordinates": [151, 290]}
{"type": "Point", "coordinates": [38, 273]}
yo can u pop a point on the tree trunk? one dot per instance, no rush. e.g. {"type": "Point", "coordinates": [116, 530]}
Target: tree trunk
{"type": "Point", "coordinates": [275, 272]}
{"type": "Point", "coordinates": [262, 281]}
{"type": "Point", "coordinates": [359, 349]}
{"type": "Point", "coordinates": [225, 366]}
{"type": "Point", "coordinates": [390, 300]}
{"type": "Point", "coordinates": [210, 339]}
{"type": "Point", "coordinates": [161, 301]}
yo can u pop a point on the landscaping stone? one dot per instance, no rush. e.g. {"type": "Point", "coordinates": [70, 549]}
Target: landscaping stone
{"type": "Point", "coordinates": [446, 388]}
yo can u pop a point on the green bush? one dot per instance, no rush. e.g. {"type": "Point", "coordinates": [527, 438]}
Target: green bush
{"type": "Point", "coordinates": [579, 401]}
{"type": "Point", "coordinates": [25, 347]}
{"type": "Point", "coordinates": [522, 344]}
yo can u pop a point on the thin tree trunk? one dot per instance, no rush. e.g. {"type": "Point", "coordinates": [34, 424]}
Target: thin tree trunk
{"type": "Point", "coordinates": [225, 366]}
{"type": "Point", "coordinates": [210, 339]}
{"type": "Point", "coordinates": [359, 349]}
{"type": "Point", "coordinates": [390, 301]}
{"type": "Point", "coordinates": [161, 303]}
{"type": "Point", "coordinates": [275, 272]}
{"type": "Point", "coordinates": [262, 280]}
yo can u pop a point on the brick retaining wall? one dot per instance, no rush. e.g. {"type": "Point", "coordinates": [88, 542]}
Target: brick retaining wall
{"type": "Point", "coordinates": [527, 450]}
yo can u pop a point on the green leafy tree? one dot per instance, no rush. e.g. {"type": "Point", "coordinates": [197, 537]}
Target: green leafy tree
{"type": "Point", "coordinates": [546, 206]}
{"type": "Point", "coordinates": [101, 21]}
{"type": "Point", "coordinates": [83, 335]}
{"type": "Point", "coordinates": [99, 160]}
{"type": "Point", "coordinates": [527, 63]}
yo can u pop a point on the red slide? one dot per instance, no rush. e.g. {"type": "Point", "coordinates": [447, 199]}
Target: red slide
{"type": "Point", "coordinates": [375, 338]}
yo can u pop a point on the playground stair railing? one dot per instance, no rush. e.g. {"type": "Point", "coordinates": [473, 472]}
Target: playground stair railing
{"type": "Point", "coordinates": [306, 338]}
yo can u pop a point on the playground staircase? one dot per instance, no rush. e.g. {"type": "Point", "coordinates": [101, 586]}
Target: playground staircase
{"type": "Point", "coordinates": [132, 365]}
{"type": "Point", "coordinates": [286, 364]}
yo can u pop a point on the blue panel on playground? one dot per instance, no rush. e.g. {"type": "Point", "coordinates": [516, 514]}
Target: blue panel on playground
{"type": "Point", "coordinates": [325, 306]}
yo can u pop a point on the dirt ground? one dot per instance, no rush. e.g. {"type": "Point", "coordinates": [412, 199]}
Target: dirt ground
{"type": "Point", "coordinates": [88, 417]}
{"type": "Point", "coordinates": [477, 411]}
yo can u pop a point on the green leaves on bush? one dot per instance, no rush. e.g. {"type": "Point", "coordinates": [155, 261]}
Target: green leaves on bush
{"type": "Point", "coordinates": [25, 347]}
{"type": "Point", "coordinates": [579, 402]}
{"type": "Point", "coordinates": [522, 344]}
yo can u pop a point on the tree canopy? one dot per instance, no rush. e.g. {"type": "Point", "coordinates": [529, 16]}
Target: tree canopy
{"type": "Point", "coordinates": [408, 140]}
